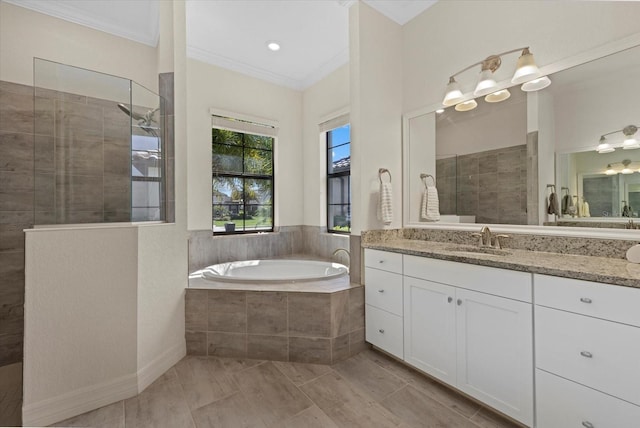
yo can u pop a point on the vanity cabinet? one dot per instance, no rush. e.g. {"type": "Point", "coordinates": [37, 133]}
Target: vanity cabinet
{"type": "Point", "coordinates": [587, 353]}
{"type": "Point", "coordinates": [383, 301]}
{"type": "Point", "coordinates": [471, 327]}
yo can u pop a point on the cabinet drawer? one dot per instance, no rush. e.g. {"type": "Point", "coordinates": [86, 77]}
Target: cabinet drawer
{"type": "Point", "coordinates": [383, 260]}
{"type": "Point", "coordinates": [605, 301]}
{"type": "Point", "coordinates": [600, 354]}
{"type": "Point", "coordinates": [383, 290]}
{"type": "Point", "coordinates": [561, 403]}
{"type": "Point", "coordinates": [384, 330]}
{"type": "Point", "coordinates": [500, 282]}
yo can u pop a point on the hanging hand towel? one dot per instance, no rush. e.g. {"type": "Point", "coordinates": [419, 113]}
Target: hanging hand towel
{"type": "Point", "coordinates": [385, 203]}
{"type": "Point", "coordinates": [565, 204]}
{"type": "Point", "coordinates": [572, 209]}
{"type": "Point", "coordinates": [552, 207]}
{"type": "Point", "coordinates": [430, 204]}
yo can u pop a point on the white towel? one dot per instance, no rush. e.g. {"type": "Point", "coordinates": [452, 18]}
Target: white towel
{"type": "Point", "coordinates": [584, 211]}
{"type": "Point", "coordinates": [430, 204]}
{"type": "Point", "coordinates": [385, 203]}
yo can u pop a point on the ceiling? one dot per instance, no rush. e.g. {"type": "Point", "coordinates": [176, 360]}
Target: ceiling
{"type": "Point", "coordinates": [314, 34]}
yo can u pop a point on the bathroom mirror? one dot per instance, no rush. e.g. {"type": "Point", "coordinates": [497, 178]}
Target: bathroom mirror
{"type": "Point", "coordinates": [592, 90]}
{"type": "Point", "coordinates": [596, 99]}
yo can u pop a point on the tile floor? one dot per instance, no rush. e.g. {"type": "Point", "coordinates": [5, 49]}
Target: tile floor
{"type": "Point", "coordinates": [367, 390]}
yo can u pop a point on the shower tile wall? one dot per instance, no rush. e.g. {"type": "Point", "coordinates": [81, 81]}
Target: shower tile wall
{"type": "Point", "coordinates": [84, 146]}
{"type": "Point", "coordinates": [492, 185]}
{"type": "Point", "coordinates": [16, 214]}
{"type": "Point", "coordinates": [166, 92]}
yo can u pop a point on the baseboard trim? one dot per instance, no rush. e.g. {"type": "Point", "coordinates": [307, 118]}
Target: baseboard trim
{"type": "Point", "coordinates": [73, 403]}
{"type": "Point", "coordinates": [163, 362]}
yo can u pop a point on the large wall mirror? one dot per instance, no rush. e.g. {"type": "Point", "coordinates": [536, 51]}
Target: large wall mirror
{"type": "Point", "coordinates": [596, 103]}
{"type": "Point", "coordinates": [495, 164]}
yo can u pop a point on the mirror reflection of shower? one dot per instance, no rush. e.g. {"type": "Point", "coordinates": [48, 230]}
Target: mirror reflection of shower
{"type": "Point", "coordinates": [145, 121]}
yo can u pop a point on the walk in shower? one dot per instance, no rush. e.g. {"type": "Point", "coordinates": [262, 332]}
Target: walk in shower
{"type": "Point", "coordinates": [99, 148]}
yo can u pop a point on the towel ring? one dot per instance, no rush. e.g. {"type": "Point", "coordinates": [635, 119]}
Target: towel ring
{"type": "Point", "coordinates": [382, 171]}
{"type": "Point", "coordinates": [423, 177]}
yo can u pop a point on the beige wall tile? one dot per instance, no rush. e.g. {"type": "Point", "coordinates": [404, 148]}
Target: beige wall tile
{"type": "Point", "coordinates": [313, 350]}
{"type": "Point", "coordinates": [310, 314]}
{"type": "Point", "coordinates": [339, 313]}
{"type": "Point", "coordinates": [196, 342]}
{"type": "Point", "coordinates": [356, 308]}
{"type": "Point", "coordinates": [263, 347]}
{"type": "Point", "coordinates": [196, 315]}
{"type": "Point", "coordinates": [267, 313]}
{"type": "Point", "coordinates": [227, 311]}
{"type": "Point", "coordinates": [227, 344]}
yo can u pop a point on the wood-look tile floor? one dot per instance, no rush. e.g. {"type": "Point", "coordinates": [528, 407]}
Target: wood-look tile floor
{"type": "Point", "coordinates": [367, 390]}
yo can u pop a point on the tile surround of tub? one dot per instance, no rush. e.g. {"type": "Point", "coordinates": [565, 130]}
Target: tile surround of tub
{"type": "Point", "coordinates": [283, 326]}
{"type": "Point", "coordinates": [611, 248]}
{"type": "Point", "coordinates": [206, 249]}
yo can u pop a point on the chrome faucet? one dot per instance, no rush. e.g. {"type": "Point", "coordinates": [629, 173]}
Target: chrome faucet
{"type": "Point", "coordinates": [346, 251]}
{"type": "Point", "coordinates": [487, 239]}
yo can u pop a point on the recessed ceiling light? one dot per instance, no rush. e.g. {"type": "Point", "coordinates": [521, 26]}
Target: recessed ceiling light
{"type": "Point", "coordinates": [273, 46]}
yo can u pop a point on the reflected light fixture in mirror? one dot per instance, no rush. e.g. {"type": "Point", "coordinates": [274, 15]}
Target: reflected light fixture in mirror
{"type": "Point", "coordinates": [610, 170]}
{"type": "Point", "coordinates": [526, 73]}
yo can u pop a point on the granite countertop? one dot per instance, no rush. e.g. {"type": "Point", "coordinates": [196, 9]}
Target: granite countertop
{"type": "Point", "coordinates": [589, 268]}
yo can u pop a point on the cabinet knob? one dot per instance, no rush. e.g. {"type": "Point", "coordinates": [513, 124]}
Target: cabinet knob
{"type": "Point", "coordinates": [381, 330]}
{"type": "Point", "coordinates": [459, 301]}
{"type": "Point", "coordinates": [586, 354]}
{"type": "Point", "coordinates": [587, 424]}
{"type": "Point", "coordinates": [381, 290]}
{"type": "Point", "coordinates": [585, 300]}
{"type": "Point", "coordinates": [449, 299]}
{"type": "Point", "coordinates": [380, 261]}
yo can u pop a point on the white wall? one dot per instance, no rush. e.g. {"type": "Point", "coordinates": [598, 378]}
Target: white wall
{"type": "Point", "coordinates": [80, 320]}
{"type": "Point", "coordinates": [375, 52]}
{"type": "Point", "coordinates": [454, 34]}
{"type": "Point", "coordinates": [25, 34]}
{"type": "Point", "coordinates": [209, 87]}
{"type": "Point", "coordinates": [329, 97]}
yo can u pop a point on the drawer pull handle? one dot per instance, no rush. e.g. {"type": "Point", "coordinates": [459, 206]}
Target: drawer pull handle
{"type": "Point", "coordinates": [381, 290]}
{"type": "Point", "coordinates": [459, 302]}
{"type": "Point", "coordinates": [587, 424]}
{"type": "Point", "coordinates": [586, 300]}
{"type": "Point", "coordinates": [449, 299]}
{"type": "Point", "coordinates": [381, 330]}
{"type": "Point", "coordinates": [586, 354]}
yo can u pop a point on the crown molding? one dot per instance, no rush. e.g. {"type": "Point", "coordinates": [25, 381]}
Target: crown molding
{"type": "Point", "coordinates": [327, 68]}
{"type": "Point", "coordinates": [400, 11]}
{"type": "Point", "coordinates": [69, 13]}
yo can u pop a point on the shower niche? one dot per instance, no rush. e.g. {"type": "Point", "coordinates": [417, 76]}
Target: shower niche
{"type": "Point", "coordinates": [99, 148]}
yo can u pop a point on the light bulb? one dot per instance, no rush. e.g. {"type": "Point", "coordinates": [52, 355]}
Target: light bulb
{"type": "Point", "coordinates": [498, 96]}
{"type": "Point", "coordinates": [453, 94]}
{"type": "Point", "coordinates": [467, 105]}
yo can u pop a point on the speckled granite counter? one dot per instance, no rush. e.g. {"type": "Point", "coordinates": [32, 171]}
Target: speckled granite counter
{"type": "Point", "coordinates": [599, 269]}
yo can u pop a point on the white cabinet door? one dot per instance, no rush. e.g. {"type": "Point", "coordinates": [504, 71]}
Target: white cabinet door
{"type": "Point", "coordinates": [430, 328]}
{"type": "Point", "coordinates": [495, 352]}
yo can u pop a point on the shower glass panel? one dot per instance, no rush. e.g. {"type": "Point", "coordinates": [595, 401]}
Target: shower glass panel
{"type": "Point", "coordinates": [98, 148]}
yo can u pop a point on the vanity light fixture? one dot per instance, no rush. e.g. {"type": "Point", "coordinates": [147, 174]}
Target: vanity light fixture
{"type": "Point", "coordinates": [610, 170]}
{"type": "Point", "coordinates": [526, 73]}
{"type": "Point", "coordinates": [629, 142]}
{"type": "Point", "coordinates": [626, 169]}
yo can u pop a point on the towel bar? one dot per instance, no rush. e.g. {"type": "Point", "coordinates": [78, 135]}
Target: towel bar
{"type": "Point", "coordinates": [382, 171]}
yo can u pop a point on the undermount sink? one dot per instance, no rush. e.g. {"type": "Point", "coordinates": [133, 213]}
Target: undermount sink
{"type": "Point", "coordinates": [479, 250]}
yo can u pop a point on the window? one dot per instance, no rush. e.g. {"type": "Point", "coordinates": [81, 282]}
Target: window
{"type": "Point", "coordinates": [146, 178]}
{"type": "Point", "coordinates": [242, 185]}
{"type": "Point", "coordinates": [339, 180]}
